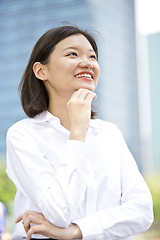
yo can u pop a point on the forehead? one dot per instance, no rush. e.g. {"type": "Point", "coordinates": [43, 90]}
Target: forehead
{"type": "Point", "coordinates": [75, 40]}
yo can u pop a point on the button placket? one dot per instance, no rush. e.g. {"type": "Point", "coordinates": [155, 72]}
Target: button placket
{"type": "Point", "coordinates": [91, 191]}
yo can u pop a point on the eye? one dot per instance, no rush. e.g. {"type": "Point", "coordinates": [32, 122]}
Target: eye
{"type": "Point", "coordinates": [93, 56]}
{"type": "Point", "coordinates": [72, 54]}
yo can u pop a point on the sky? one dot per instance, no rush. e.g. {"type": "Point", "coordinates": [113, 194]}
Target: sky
{"type": "Point", "coordinates": [147, 16]}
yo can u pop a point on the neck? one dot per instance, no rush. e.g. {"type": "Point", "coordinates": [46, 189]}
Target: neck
{"type": "Point", "coordinates": [58, 108]}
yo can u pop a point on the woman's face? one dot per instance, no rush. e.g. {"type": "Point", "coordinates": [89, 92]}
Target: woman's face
{"type": "Point", "coordinates": [72, 65]}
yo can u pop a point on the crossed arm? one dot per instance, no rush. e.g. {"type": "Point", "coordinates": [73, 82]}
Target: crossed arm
{"type": "Point", "coordinates": [136, 209]}
{"type": "Point", "coordinates": [44, 227]}
{"type": "Point", "coordinates": [78, 132]}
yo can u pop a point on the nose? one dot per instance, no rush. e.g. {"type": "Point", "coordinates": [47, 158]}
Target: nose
{"type": "Point", "coordinates": [86, 64]}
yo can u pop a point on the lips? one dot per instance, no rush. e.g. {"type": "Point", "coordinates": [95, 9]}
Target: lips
{"type": "Point", "coordinates": [85, 74]}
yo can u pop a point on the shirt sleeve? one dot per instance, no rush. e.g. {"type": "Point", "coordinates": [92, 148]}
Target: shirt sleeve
{"type": "Point", "coordinates": [56, 193]}
{"type": "Point", "coordinates": [135, 212]}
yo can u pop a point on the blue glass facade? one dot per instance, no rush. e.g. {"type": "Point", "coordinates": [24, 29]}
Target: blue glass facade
{"type": "Point", "coordinates": [23, 22]}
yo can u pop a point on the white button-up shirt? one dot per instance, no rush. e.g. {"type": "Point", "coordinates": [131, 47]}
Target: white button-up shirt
{"type": "Point", "coordinates": [95, 184]}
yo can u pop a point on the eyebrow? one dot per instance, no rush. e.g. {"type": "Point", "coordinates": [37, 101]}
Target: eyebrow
{"type": "Point", "coordinates": [76, 48]}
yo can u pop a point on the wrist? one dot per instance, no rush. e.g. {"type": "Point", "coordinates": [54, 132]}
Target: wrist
{"type": "Point", "coordinates": [77, 234]}
{"type": "Point", "coordinates": [77, 135]}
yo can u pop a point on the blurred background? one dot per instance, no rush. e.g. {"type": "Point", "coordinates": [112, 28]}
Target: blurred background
{"type": "Point", "coordinates": [128, 36]}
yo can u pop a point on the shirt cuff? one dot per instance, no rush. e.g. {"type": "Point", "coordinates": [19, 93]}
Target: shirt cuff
{"type": "Point", "coordinates": [90, 227]}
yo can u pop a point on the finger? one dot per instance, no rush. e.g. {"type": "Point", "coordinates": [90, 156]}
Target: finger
{"type": "Point", "coordinates": [34, 230]}
{"type": "Point", "coordinates": [22, 218]}
{"type": "Point", "coordinates": [90, 97]}
{"type": "Point", "coordinates": [27, 222]}
{"type": "Point", "coordinates": [29, 212]}
{"type": "Point", "coordinates": [85, 93]}
{"type": "Point", "coordinates": [27, 225]}
{"type": "Point", "coordinates": [18, 219]}
{"type": "Point", "coordinates": [34, 219]}
{"type": "Point", "coordinates": [95, 96]}
{"type": "Point", "coordinates": [26, 214]}
{"type": "Point", "coordinates": [77, 93]}
{"type": "Point", "coordinates": [32, 213]}
{"type": "Point", "coordinates": [81, 94]}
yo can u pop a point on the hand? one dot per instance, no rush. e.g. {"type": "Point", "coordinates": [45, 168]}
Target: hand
{"type": "Point", "coordinates": [79, 107]}
{"type": "Point", "coordinates": [44, 227]}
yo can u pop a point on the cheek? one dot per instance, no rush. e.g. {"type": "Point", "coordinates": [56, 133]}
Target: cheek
{"type": "Point", "coordinates": [70, 65]}
{"type": "Point", "coordinates": [59, 68]}
{"type": "Point", "coordinates": [65, 69]}
{"type": "Point", "coordinates": [97, 70]}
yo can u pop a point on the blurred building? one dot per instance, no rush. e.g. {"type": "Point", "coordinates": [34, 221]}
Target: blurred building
{"type": "Point", "coordinates": [153, 41]}
{"type": "Point", "coordinates": [148, 75]}
{"type": "Point", "coordinates": [110, 21]}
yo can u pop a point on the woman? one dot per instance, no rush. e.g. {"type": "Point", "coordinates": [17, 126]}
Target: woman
{"type": "Point", "coordinates": [73, 173]}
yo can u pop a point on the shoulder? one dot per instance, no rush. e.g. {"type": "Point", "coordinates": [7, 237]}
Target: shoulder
{"type": "Point", "coordinates": [104, 126]}
{"type": "Point", "coordinates": [106, 131]}
{"type": "Point", "coordinates": [23, 132]}
{"type": "Point", "coordinates": [20, 126]}
{"type": "Point", "coordinates": [30, 126]}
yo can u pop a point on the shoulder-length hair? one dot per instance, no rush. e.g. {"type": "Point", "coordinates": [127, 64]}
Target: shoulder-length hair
{"type": "Point", "coordinates": [34, 97]}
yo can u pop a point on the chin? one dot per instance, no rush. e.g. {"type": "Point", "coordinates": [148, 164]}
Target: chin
{"type": "Point", "coordinates": [91, 88]}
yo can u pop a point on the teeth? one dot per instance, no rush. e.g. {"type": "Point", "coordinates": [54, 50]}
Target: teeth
{"type": "Point", "coordinates": [84, 75]}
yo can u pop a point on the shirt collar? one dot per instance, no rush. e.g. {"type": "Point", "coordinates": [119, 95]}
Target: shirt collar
{"type": "Point", "coordinates": [45, 117]}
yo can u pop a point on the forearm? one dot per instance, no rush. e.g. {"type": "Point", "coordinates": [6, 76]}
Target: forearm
{"type": "Point", "coordinates": [70, 233]}
{"type": "Point", "coordinates": [67, 176]}
{"type": "Point", "coordinates": [70, 185]}
{"type": "Point", "coordinates": [79, 109]}
{"type": "Point", "coordinates": [36, 223]}
{"type": "Point", "coordinates": [132, 217]}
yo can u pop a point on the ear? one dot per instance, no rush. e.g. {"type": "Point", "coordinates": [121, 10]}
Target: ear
{"type": "Point", "coordinates": [39, 71]}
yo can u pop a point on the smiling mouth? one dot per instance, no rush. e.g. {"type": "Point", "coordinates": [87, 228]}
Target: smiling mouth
{"type": "Point", "coordinates": [85, 75]}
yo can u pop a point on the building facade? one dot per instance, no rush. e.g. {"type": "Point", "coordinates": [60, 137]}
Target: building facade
{"type": "Point", "coordinates": [154, 82]}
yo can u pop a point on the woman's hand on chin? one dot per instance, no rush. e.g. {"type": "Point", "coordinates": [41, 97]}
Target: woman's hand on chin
{"type": "Point", "coordinates": [79, 109]}
{"type": "Point", "coordinates": [44, 227]}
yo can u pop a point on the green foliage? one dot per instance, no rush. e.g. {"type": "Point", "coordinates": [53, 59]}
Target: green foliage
{"type": "Point", "coordinates": [7, 188]}
{"type": "Point", "coordinates": [154, 185]}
